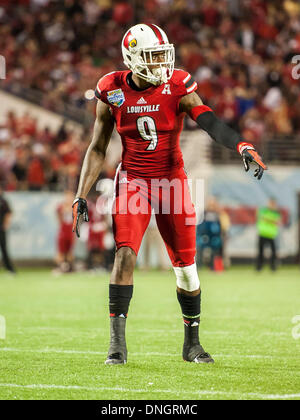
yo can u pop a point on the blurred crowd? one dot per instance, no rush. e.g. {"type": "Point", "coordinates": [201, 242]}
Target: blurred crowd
{"type": "Point", "coordinates": [38, 159]}
{"type": "Point", "coordinates": [239, 51]}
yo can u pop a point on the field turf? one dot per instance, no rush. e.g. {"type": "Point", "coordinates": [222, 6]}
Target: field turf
{"type": "Point", "coordinates": [57, 336]}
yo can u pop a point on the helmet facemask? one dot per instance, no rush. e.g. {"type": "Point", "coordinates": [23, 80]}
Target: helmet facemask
{"type": "Point", "coordinates": [142, 63]}
{"type": "Point", "coordinates": [157, 72]}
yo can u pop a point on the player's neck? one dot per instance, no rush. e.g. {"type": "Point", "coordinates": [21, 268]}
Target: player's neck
{"type": "Point", "coordinates": [140, 83]}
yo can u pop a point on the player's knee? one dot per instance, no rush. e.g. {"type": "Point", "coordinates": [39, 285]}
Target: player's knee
{"type": "Point", "coordinates": [125, 260]}
{"type": "Point", "coordinates": [187, 278]}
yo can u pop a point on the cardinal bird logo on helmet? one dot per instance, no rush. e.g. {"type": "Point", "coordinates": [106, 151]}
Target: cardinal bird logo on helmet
{"type": "Point", "coordinates": [132, 43]}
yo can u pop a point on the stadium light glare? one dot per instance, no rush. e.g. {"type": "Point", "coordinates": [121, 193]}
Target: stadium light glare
{"type": "Point", "coordinates": [89, 94]}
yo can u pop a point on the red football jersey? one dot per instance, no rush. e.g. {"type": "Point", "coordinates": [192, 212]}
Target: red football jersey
{"type": "Point", "coordinates": [148, 121]}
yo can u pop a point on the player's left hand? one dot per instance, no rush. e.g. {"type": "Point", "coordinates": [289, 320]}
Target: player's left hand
{"type": "Point", "coordinates": [80, 214]}
{"type": "Point", "coordinates": [249, 155]}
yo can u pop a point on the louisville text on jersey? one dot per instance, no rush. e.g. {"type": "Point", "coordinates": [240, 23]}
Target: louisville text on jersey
{"type": "Point", "coordinates": [141, 109]}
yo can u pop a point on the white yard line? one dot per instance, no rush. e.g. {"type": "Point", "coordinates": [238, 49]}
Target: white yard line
{"type": "Point", "coordinates": [50, 350]}
{"type": "Point", "coordinates": [100, 353]}
{"type": "Point", "coordinates": [238, 395]}
{"type": "Point", "coordinates": [151, 331]}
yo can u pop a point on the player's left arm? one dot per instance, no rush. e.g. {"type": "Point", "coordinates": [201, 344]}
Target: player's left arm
{"type": "Point", "coordinates": [220, 132]}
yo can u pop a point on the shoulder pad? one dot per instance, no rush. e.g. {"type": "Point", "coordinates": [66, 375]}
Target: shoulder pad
{"type": "Point", "coordinates": [184, 81]}
{"type": "Point", "coordinates": [109, 81]}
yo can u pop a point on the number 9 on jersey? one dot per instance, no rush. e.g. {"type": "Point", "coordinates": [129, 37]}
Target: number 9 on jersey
{"type": "Point", "coordinates": [147, 129]}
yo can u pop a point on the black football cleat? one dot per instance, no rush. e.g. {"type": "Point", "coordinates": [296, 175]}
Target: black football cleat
{"type": "Point", "coordinates": [115, 359]}
{"type": "Point", "coordinates": [196, 354]}
{"type": "Point", "coordinates": [117, 353]}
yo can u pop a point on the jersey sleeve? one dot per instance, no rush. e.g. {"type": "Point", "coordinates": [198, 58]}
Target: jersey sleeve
{"type": "Point", "coordinates": [184, 82]}
{"type": "Point", "coordinates": [98, 91]}
{"type": "Point", "coordinates": [101, 89]}
{"type": "Point", "coordinates": [103, 86]}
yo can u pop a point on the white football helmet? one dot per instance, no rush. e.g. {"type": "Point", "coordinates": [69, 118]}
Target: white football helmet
{"type": "Point", "coordinates": [138, 45]}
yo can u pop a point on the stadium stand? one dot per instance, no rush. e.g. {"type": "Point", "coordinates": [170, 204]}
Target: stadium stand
{"type": "Point", "coordinates": [240, 53]}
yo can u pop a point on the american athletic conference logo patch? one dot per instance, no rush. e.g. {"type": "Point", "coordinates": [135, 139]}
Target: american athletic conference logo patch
{"type": "Point", "coordinates": [116, 97]}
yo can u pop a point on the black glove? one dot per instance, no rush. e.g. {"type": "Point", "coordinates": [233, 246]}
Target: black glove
{"type": "Point", "coordinates": [80, 214]}
{"type": "Point", "coordinates": [249, 154]}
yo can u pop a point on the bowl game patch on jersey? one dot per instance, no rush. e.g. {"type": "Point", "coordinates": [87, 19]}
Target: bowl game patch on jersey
{"type": "Point", "coordinates": [116, 97]}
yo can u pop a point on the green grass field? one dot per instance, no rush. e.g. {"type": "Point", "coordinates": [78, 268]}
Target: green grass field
{"type": "Point", "coordinates": [57, 336]}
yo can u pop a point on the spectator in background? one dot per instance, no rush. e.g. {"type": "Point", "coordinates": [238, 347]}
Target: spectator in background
{"type": "Point", "coordinates": [35, 175]}
{"type": "Point", "coordinates": [268, 221]}
{"type": "Point", "coordinates": [225, 227]}
{"type": "Point", "coordinates": [20, 167]}
{"type": "Point", "coordinates": [227, 108]}
{"type": "Point", "coordinates": [100, 231]}
{"type": "Point", "coordinates": [65, 238]}
{"type": "Point", "coordinates": [5, 218]}
{"type": "Point", "coordinates": [209, 237]}
{"type": "Point", "coordinates": [95, 243]}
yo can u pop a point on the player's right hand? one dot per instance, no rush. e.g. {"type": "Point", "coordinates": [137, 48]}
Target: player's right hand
{"type": "Point", "coordinates": [80, 214]}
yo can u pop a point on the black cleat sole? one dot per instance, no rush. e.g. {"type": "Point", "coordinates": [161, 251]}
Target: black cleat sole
{"type": "Point", "coordinates": [115, 362]}
{"type": "Point", "coordinates": [201, 360]}
{"type": "Point", "coordinates": [196, 354]}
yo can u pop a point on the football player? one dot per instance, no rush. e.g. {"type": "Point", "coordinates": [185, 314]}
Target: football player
{"type": "Point", "coordinates": [147, 103]}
